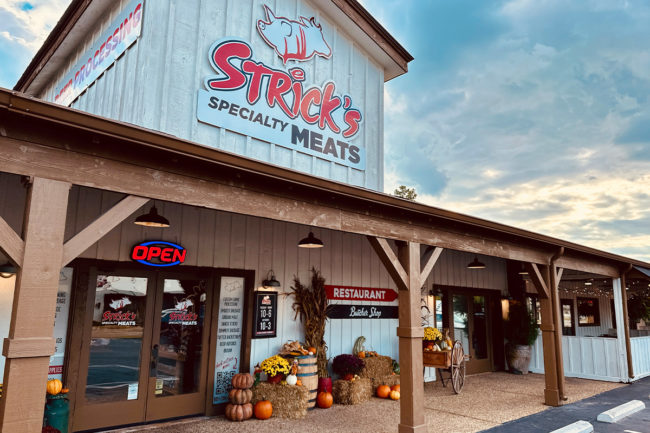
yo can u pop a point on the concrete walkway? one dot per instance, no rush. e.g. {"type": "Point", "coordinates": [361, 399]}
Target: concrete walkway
{"type": "Point", "coordinates": [487, 400]}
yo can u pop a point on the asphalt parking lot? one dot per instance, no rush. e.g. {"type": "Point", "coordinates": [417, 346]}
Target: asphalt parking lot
{"type": "Point", "coordinates": [588, 410]}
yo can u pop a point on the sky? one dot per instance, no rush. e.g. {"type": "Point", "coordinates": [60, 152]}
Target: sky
{"type": "Point", "coordinates": [531, 113]}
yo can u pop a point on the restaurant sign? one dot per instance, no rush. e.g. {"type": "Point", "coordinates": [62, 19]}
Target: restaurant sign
{"type": "Point", "coordinates": [351, 293]}
{"type": "Point", "coordinates": [276, 105]}
{"type": "Point", "coordinates": [105, 49]}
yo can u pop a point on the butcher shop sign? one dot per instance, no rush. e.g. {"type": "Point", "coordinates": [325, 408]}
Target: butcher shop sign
{"type": "Point", "coordinates": [277, 105]}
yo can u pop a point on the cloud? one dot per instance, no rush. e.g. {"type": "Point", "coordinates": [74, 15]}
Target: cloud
{"type": "Point", "coordinates": [529, 113]}
{"type": "Point", "coordinates": [23, 28]}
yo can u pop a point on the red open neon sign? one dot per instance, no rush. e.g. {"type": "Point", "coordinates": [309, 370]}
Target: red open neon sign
{"type": "Point", "coordinates": [158, 253]}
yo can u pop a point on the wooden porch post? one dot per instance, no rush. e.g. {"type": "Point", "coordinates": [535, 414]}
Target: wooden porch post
{"type": "Point", "coordinates": [626, 324]}
{"type": "Point", "coordinates": [409, 275]}
{"type": "Point", "coordinates": [410, 333]}
{"type": "Point", "coordinates": [30, 341]}
{"type": "Point", "coordinates": [554, 276]}
{"type": "Point", "coordinates": [539, 276]}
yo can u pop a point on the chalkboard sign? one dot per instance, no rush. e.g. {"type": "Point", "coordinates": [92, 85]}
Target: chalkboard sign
{"type": "Point", "coordinates": [266, 306]}
{"type": "Point", "coordinates": [345, 311]}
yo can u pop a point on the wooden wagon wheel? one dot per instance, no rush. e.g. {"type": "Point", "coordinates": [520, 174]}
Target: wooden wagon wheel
{"type": "Point", "coordinates": [457, 367]}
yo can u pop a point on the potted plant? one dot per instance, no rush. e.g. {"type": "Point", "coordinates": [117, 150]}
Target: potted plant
{"type": "Point", "coordinates": [311, 305]}
{"type": "Point", "coordinates": [275, 367]}
{"type": "Point", "coordinates": [347, 366]}
{"type": "Point", "coordinates": [431, 337]}
{"type": "Point", "coordinates": [521, 331]}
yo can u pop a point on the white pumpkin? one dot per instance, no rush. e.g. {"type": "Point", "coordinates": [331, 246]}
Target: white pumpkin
{"type": "Point", "coordinates": [443, 345]}
{"type": "Point", "coordinates": [292, 379]}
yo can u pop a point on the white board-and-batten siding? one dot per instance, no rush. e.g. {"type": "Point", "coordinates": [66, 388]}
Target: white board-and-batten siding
{"type": "Point", "coordinates": [154, 83]}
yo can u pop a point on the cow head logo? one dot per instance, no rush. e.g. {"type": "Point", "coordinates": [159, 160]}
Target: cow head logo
{"type": "Point", "coordinates": [293, 40]}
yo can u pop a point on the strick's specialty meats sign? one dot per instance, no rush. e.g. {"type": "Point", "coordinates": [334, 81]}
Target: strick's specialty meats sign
{"type": "Point", "coordinates": [276, 105]}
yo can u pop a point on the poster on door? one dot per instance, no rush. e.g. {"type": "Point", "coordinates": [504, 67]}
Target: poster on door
{"type": "Point", "coordinates": [229, 336]}
{"type": "Point", "coordinates": [55, 370]}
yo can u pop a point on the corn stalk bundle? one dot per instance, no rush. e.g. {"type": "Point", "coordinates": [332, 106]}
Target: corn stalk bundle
{"type": "Point", "coordinates": [311, 304]}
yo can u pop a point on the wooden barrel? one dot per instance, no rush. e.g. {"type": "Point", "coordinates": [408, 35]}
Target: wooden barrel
{"type": "Point", "coordinates": [308, 375]}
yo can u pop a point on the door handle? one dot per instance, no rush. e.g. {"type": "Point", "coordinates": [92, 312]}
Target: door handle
{"type": "Point", "coordinates": [154, 360]}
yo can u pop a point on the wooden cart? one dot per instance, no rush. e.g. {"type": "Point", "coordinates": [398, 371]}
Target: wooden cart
{"type": "Point", "coordinates": [452, 361]}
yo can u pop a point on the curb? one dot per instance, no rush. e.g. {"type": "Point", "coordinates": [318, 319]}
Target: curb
{"type": "Point", "coordinates": [620, 412]}
{"type": "Point", "coordinates": [576, 427]}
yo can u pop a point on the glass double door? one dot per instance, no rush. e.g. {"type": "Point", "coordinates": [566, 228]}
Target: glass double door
{"type": "Point", "coordinates": [471, 325]}
{"type": "Point", "coordinates": [143, 348]}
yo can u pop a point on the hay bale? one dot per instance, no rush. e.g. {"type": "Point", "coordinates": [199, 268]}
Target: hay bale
{"type": "Point", "coordinates": [390, 380]}
{"type": "Point", "coordinates": [288, 401]}
{"type": "Point", "coordinates": [377, 367]}
{"type": "Point", "coordinates": [348, 392]}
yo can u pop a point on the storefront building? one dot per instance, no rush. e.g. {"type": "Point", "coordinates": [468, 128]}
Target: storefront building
{"type": "Point", "coordinates": [246, 126]}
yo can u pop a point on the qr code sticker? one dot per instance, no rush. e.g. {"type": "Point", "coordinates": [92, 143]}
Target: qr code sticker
{"type": "Point", "coordinates": [222, 382]}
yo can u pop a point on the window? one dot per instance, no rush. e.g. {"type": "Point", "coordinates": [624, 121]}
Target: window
{"type": "Point", "coordinates": [588, 312]}
{"type": "Point", "coordinates": [533, 305]}
{"type": "Point", "coordinates": [566, 306]}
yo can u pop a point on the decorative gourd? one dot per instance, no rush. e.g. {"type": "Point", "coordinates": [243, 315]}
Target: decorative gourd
{"type": "Point", "coordinates": [64, 390]}
{"type": "Point", "coordinates": [324, 400]}
{"type": "Point", "coordinates": [383, 391]}
{"type": "Point", "coordinates": [394, 395]}
{"type": "Point", "coordinates": [299, 382]}
{"type": "Point", "coordinates": [54, 386]}
{"type": "Point", "coordinates": [240, 396]}
{"type": "Point", "coordinates": [395, 388]}
{"type": "Point", "coordinates": [242, 381]}
{"type": "Point", "coordinates": [239, 412]}
{"type": "Point", "coordinates": [292, 379]}
{"type": "Point", "coordinates": [263, 409]}
{"type": "Point", "coordinates": [311, 350]}
{"type": "Point", "coordinates": [358, 345]}
{"type": "Point", "coordinates": [361, 354]}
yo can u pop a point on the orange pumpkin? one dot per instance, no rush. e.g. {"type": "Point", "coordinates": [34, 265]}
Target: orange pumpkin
{"type": "Point", "coordinates": [240, 396]}
{"type": "Point", "coordinates": [263, 409]}
{"type": "Point", "coordinates": [394, 395]}
{"type": "Point", "coordinates": [299, 382]}
{"type": "Point", "coordinates": [242, 381]}
{"type": "Point", "coordinates": [324, 400]}
{"type": "Point", "coordinates": [64, 390]}
{"type": "Point", "coordinates": [361, 355]}
{"type": "Point", "coordinates": [54, 386]}
{"type": "Point", "coordinates": [312, 350]}
{"type": "Point", "coordinates": [395, 388]}
{"type": "Point", "coordinates": [383, 391]}
{"type": "Point", "coordinates": [239, 412]}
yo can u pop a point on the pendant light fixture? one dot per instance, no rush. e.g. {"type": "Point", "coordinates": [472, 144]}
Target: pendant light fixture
{"type": "Point", "coordinates": [271, 282]}
{"type": "Point", "coordinates": [152, 219]}
{"type": "Point", "coordinates": [7, 270]}
{"type": "Point", "coordinates": [310, 241]}
{"type": "Point", "coordinates": [522, 270]}
{"type": "Point", "coordinates": [475, 264]}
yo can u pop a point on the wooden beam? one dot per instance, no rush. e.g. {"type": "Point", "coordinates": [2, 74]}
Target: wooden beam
{"type": "Point", "coordinates": [10, 243]}
{"type": "Point", "coordinates": [34, 304]}
{"type": "Point", "coordinates": [558, 276]}
{"type": "Point", "coordinates": [584, 265]}
{"type": "Point", "coordinates": [25, 158]}
{"type": "Point", "coordinates": [410, 333]}
{"type": "Point", "coordinates": [100, 227]}
{"type": "Point", "coordinates": [390, 261]}
{"type": "Point", "coordinates": [538, 280]}
{"type": "Point", "coordinates": [430, 262]}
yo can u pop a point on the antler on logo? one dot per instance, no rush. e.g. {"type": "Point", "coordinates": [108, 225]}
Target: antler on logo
{"type": "Point", "coordinates": [293, 40]}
